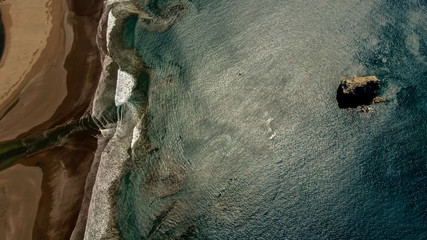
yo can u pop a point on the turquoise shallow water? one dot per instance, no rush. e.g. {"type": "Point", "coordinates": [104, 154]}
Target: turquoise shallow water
{"type": "Point", "coordinates": [250, 141]}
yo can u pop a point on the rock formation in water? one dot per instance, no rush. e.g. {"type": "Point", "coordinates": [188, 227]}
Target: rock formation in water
{"type": "Point", "coordinates": [358, 91]}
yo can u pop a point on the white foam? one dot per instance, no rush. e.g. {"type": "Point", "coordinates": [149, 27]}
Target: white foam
{"type": "Point", "coordinates": [273, 135]}
{"type": "Point", "coordinates": [136, 134]}
{"type": "Point", "coordinates": [110, 24]}
{"type": "Point", "coordinates": [125, 85]}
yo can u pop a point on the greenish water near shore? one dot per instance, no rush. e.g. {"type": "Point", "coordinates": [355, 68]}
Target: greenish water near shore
{"type": "Point", "coordinates": [249, 140]}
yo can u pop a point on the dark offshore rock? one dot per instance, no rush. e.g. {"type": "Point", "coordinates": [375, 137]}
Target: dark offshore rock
{"type": "Point", "coordinates": [357, 91]}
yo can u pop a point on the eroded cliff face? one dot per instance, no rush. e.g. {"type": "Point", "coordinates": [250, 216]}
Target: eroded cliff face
{"type": "Point", "coordinates": [357, 91]}
{"type": "Point", "coordinates": [121, 109]}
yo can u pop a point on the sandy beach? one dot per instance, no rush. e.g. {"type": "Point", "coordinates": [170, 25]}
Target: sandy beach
{"type": "Point", "coordinates": [48, 74]}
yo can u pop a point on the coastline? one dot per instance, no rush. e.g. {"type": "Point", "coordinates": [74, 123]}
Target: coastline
{"type": "Point", "coordinates": [170, 160]}
{"type": "Point", "coordinates": [66, 207]}
{"type": "Point", "coordinates": [124, 70]}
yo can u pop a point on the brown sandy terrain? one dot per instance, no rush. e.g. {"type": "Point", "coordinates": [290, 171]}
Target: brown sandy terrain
{"type": "Point", "coordinates": [28, 25]}
{"type": "Point", "coordinates": [18, 201]}
{"type": "Point", "coordinates": [29, 68]}
{"type": "Point", "coordinates": [60, 86]}
{"type": "Point", "coordinates": [63, 187]}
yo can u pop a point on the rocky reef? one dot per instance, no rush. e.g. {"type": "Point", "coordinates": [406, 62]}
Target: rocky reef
{"type": "Point", "coordinates": [358, 91]}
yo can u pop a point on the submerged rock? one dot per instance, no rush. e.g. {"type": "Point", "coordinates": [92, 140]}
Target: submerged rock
{"type": "Point", "coordinates": [379, 100]}
{"type": "Point", "coordinates": [357, 91]}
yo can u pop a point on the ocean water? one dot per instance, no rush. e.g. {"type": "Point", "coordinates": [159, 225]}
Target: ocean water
{"type": "Point", "coordinates": [249, 140]}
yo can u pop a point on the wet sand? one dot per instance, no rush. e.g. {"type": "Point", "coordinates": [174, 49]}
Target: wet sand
{"type": "Point", "coordinates": [58, 86]}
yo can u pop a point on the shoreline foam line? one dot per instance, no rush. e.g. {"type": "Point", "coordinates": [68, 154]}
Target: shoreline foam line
{"type": "Point", "coordinates": [127, 69]}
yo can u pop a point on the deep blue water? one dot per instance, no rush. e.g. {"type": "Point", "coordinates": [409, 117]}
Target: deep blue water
{"type": "Point", "coordinates": [243, 99]}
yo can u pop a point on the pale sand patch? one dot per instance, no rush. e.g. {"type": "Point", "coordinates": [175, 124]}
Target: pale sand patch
{"type": "Point", "coordinates": [20, 192]}
{"type": "Point", "coordinates": [38, 39]}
